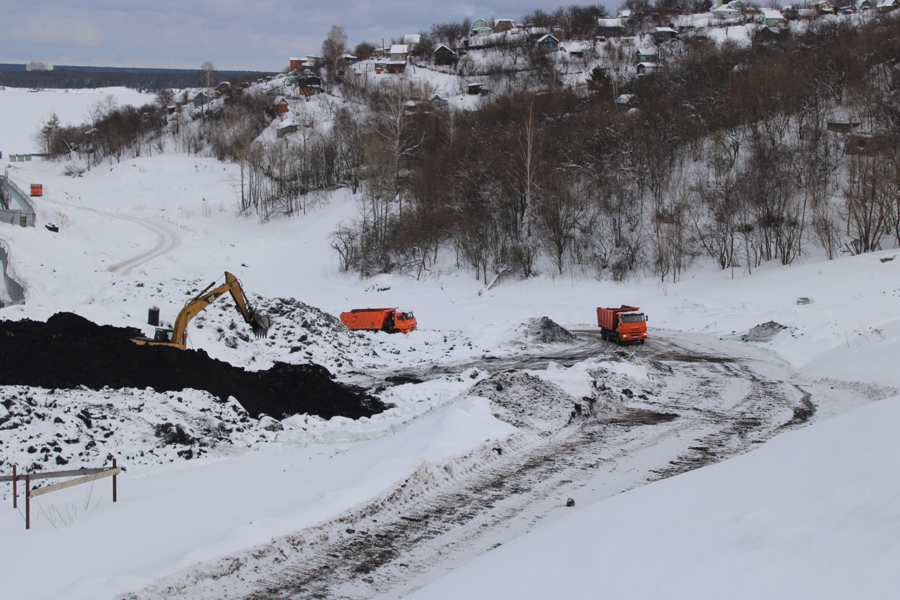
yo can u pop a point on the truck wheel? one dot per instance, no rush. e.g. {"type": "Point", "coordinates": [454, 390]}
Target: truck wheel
{"type": "Point", "coordinates": [642, 342]}
{"type": "Point", "coordinates": [603, 335]}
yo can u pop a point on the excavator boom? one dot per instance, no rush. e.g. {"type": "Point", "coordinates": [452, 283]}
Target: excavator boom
{"type": "Point", "coordinates": [177, 336]}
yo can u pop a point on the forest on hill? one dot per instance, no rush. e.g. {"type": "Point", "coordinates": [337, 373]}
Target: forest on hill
{"type": "Point", "coordinates": [743, 153]}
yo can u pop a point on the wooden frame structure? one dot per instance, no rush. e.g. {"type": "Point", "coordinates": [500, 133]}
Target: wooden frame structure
{"type": "Point", "coordinates": [83, 476]}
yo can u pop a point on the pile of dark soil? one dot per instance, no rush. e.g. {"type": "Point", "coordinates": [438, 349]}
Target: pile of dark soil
{"type": "Point", "coordinates": [547, 331]}
{"type": "Point", "coordinates": [69, 351]}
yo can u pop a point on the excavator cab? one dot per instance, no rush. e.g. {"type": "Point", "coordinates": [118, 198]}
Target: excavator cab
{"type": "Point", "coordinates": [163, 335]}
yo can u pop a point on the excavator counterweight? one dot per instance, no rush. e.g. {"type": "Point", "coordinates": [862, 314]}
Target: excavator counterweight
{"type": "Point", "coordinates": [176, 337]}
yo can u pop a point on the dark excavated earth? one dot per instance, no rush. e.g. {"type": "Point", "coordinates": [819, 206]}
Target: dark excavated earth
{"type": "Point", "coordinates": [68, 351]}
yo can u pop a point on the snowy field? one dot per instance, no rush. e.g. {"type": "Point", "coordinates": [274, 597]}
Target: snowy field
{"type": "Point", "coordinates": [802, 507]}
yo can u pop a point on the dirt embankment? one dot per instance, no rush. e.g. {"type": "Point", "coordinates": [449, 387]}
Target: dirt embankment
{"type": "Point", "coordinates": [69, 351]}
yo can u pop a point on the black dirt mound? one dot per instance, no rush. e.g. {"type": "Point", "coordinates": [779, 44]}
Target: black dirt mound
{"type": "Point", "coordinates": [69, 351]}
{"type": "Point", "coordinates": [546, 331]}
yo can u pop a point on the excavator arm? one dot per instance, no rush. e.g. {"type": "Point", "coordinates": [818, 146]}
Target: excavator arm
{"type": "Point", "coordinates": [177, 336]}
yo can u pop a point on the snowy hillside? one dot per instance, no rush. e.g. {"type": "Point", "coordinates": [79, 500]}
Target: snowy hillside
{"type": "Point", "coordinates": [787, 407]}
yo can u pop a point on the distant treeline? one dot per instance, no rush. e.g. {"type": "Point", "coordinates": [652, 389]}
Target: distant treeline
{"type": "Point", "coordinates": [75, 77]}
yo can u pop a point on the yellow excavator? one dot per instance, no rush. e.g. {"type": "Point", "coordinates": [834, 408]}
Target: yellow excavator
{"type": "Point", "coordinates": [176, 337]}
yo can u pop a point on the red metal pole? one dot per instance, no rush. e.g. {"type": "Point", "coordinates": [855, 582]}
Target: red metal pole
{"type": "Point", "coordinates": [114, 482]}
{"type": "Point", "coordinates": [27, 501]}
{"type": "Point", "coordinates": [15, 489]}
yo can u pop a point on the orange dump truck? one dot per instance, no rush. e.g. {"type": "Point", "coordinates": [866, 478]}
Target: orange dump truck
{"type": "Point", "coordinates": [390, 320]}
{"type": "Point", "coordinates": [622, 325]}
{"type": "Point", "coordinates": [37, 189]}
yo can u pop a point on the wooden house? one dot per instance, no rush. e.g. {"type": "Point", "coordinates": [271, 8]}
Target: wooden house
{"type": "Point", "coordinates": [646, 55]}
{"type": "Point", "coordinates": [285, 128]}
{"type": "Point", "coordinates": [308, 84]}
{"type": "Point", "coordinates": [610, 27]}
{"type": "Point", "coordinates": [548, 43]}
{"type": "Point", "coordinates": [399, 52]}
{"type": "Point", "coordinates": [439, 101]}
{"type": "Point", "coordinates": [887, 5]}
{"type": "Point", "coordinates": [663, 34]}
{"type": "Point", "coordinates": [772, 17]}
{"type": "Point", "coordinates": [223, 89]}
{"type": "Point", "coordinates": [201, 99]}
{"type": "Point", "coordinates": [444, 55]}
{"type": "Point", "coordinates": [475, 89]}
{"type": "Point", "coordinates": [481, 27]}
{"type": "Point", "coordinates": [295, 63]}
{"type": "Point", "coordinates": [646, 68]}
{"type": "Point", "coordinates": [504, 25]}
{"type": "Point", "coordinates": [823, 8]}
{"type": "Point", "coordinates": [281, 105]}
{"type": "Point", "coordinates": [395, 67]}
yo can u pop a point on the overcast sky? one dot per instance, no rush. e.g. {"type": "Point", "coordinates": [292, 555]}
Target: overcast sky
{"type": "Point", "coordinates": [232, 34]}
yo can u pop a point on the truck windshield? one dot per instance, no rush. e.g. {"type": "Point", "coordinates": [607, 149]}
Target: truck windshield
{"type": "Point", "coordinates": [408, 315]}
{"type": "Point", "coordinates": [633, 318]}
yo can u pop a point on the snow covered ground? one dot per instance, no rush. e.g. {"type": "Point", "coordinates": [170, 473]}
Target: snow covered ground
{"type": "Point", "coordinates": [811, 511]}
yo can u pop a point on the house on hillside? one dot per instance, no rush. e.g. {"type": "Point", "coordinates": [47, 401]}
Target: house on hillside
{"type": "Point", "coordinates": [646, 68]}
{"type": "Point", "coordinates": [623, 15]}
{"type": "Point", "coordinates": [887, 5]}
{"type": "Point", "coordinates": [548, 43]}
{"type": "Point", "coordinates": [646, 55]}
{"type": "Point", "coordinates": [504, 25]}
{"type": "Point", "coordinates": [281, 105]}
{"type": "Point", "coordinates": [394, 67]}
{"type": "Point", "coordinates": [865, 5]}
{"type": "Point", "coordinates": [474, 89]}
{"type": "Point", "coordinates": [610, 27]}
{"type": "Point", "coordinates": [772, 17]}
{"type": "Point", "coordinates": [201, 99]}
{"type": "Point", "coordinates": [308, 84]}
{"type": "Point", "coordinates": [399, 53]}
{"type": "Point", "coordinates": [662, 34]}
{"type": "Point", "coordinates": [725, 12]}
{"type": "Point", "coordinates": [439, 101]}
{"type": "Point", "coordinates": [444, 55]}
{"type": "Point", "coordinates": [295, 63]}
{"type": "Point", "coordinates": [823, 8]}
{"type": "Point", "coordinates": [481, 27]}
{"type": "Point", "coordinates": [285, 128]}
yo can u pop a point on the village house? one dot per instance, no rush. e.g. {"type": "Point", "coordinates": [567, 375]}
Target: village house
{"type": "Point", "coordinates": [887, 5]}
{"type": "Point", "coordinates": [281, 105]}
{"type": "Point", "coordinates": [201, 99]}
{"type": "Point", "coordinates": [444, 55]}
{"type": "Point", "coordinates": [501, 25]}
{"type": "Point", "coordinates": [610, 27]}
{"type": "Point", "coordinates": [646, 55]}
{"type": "Point", "coordinates": [481, 27]}
{"type": "Point", "coordinates": [399, 52]}
{"type": "Point", "coordinates": [548, 43]}
{"type": "Point", "coordinates": [772, 17]}
{"type": "Point", "coordinates": [662, 34]}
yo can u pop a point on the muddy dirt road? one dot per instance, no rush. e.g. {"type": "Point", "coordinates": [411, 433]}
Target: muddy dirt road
{"type": "Point", "coordinates": [704, 401]}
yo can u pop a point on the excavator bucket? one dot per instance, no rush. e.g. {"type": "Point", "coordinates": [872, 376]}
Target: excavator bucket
{"type": "Point", "coordinates": [259, 324]}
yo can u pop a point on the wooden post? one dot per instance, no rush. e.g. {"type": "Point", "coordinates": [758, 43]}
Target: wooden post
{"type": "Point", "coordinates": [15, 495]}
{"type": "Point", "coordinates": [27, 501]}
{"type": "Point", "coordinates": [114, 482]}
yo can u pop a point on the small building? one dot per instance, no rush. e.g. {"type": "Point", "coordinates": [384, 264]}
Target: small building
{"type": "Point", "coordinates": [646, 55]}
{"type": "Point", "coordinates": [865, 5]}
{"type": "Point", "coordinates": [610, 27]}
{"type": "Point", "coordinates": [548, 43]}
{"type": "Point", "coordinates": [475, 89]}
{"type": "Point", "coordinates": [501, 25]}
{"type": "Point", "coordinates": [399, 52]}
{"type": "Point", "coordinates": [844, 126]}
{"type": "Point", "coordinates": [308, 84]}
{"type": "Point", "coordinates": [646, 68]}
{"type": "Point", "coordinates": [444, 55]}
{"type": "Point", "coordinates": [395, 67]}
{"type": "Point", "coordinates": [887, 5]}
{"type": "Point", "coordinates": [823, 8]}
{"type": "Point", "coordinates": [296, 63]}
{"type": "Point", "coordinates": [772, 17]}
{"type": "Point", "coordinates": [725, 12]}
{"type": "Point", "coordinates": [281, 105]}
{"type": "Point", "coordinates": [201, 99]}
{"type": "Point", "coordinates": [439, 102]}
{"type": "Point", "coordinates": [285, 128]}
{"type": "Point", "coordinates": [481, 27]}
{"type": "Point", "coordinates": [662, 34]}
{"type": "Point", "coordinates": [348, 59]}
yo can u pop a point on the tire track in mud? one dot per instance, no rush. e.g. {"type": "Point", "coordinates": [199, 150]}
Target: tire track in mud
{"type": "Point", "coordinates": [434, 521]}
